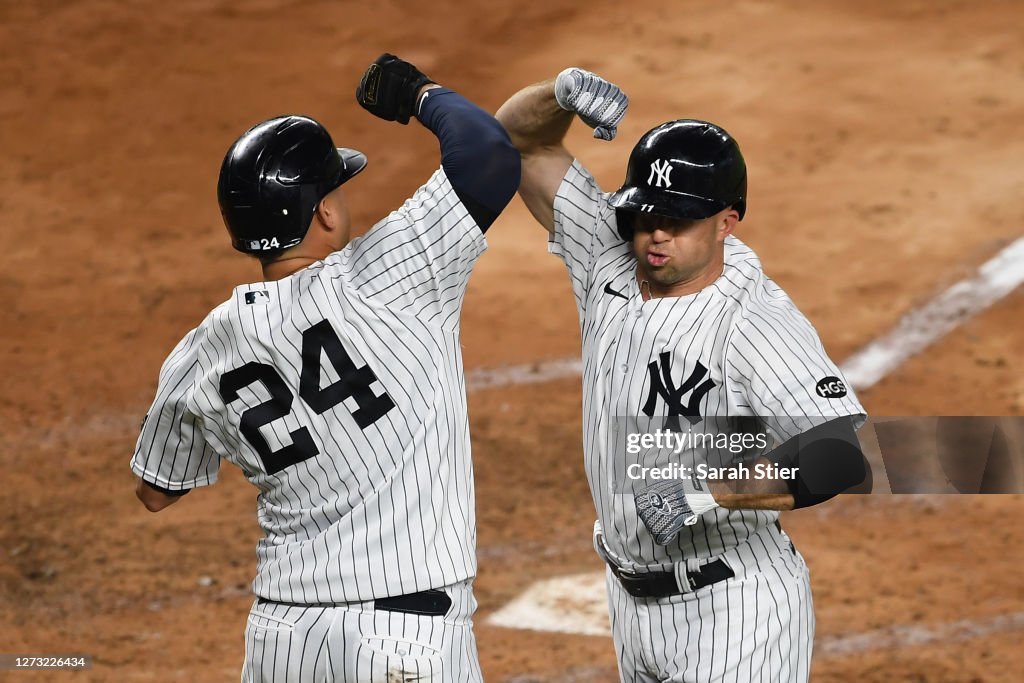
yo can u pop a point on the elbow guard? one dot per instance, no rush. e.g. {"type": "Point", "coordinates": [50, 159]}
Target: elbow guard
{"type": "Point", "coordinates": [828, 460]}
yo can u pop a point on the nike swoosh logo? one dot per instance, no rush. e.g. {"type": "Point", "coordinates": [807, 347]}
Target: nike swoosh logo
{"type": "Point", "coordinates": [608, 290]}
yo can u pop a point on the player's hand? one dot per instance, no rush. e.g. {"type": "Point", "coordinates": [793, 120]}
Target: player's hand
{"type": "Point", "coordinates": [599, 104]}
{"type": "Point", "coordinates": [389, 87]}
{"type": "Point", "coordinates": [668, 505]}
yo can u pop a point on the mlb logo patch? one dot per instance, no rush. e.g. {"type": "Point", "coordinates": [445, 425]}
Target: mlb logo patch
{"type": "Point", "coordinates": [257, 296]}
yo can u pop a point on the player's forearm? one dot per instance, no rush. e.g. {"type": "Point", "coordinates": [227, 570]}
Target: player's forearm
{"type": "Point", "coordinates": [751, 494]}
{"type": "Point", "coordinates": [756, 501]}
{"type": "Point", "coordinates": [533, 118]}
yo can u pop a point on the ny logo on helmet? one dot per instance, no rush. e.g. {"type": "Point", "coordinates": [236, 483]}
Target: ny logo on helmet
{"type": "Point", "coordinates": [660, 171]}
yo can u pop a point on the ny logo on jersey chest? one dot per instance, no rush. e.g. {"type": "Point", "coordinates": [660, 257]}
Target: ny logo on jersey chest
{"type": "Point", "coordinates": [663, 386]}
{"type": "Point", "coordinates": [661, 169]}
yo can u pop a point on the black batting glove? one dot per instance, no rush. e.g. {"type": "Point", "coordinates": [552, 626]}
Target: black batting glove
{"type": "Point", "coordinates": [388, 88]}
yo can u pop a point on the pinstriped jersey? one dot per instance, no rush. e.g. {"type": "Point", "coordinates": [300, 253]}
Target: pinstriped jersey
{"type": "Point", "coordinates": [339, 392]}
{"type": "Point", "coordinates": [739, 347]}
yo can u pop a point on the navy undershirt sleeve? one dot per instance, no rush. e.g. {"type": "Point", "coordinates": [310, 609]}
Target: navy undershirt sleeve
{"type": "Point", "coordinates": [476, 153]}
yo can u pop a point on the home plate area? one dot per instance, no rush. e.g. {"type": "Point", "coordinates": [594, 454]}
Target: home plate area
{"type": "Point", "coordinates": [576, 604]}
{"type": "Point", "coordinates": [564, 604]}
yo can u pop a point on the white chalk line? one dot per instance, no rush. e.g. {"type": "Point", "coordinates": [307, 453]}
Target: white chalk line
{"type": "Point", "coordinates": [914, 635]}
{"type": "Point", "coordinates": [531, 373]}
{"type": "Point", "coordinates": [917, 330]}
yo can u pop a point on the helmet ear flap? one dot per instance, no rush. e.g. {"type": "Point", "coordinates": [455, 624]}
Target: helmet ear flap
{"type": "Point", "coordinates": [624, 223]}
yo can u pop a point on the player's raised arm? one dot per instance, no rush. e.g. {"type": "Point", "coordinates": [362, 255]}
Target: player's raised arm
{"type": "Point", "coordinates": [537, 119]}
{"type": "Point", "coordinates": [476, 153]}
{"type": "Point", "coordinates": [419, 258]}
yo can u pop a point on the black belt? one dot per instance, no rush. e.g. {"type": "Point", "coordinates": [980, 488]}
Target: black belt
{"type": "Point", "coordinates": [429, 603]}
{"type": "Point", "coordinates": [663, 584]}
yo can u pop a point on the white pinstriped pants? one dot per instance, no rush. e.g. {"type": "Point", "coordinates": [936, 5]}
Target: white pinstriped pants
{"type": "Point", "coordinates": [756, 627]}
{"type": "Point", "coordinates": [356, 643]}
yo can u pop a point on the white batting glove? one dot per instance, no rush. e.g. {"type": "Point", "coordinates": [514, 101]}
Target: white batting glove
{"type": "Point", "coordinates": [598, 103]}
{"type": "Point", "coordinates": [669, 505]}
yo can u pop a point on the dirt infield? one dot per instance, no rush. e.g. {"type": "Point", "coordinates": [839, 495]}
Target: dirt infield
{"type": "Point", "coordinates": [884, 147]}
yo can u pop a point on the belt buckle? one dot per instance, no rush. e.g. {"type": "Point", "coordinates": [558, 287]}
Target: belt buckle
{"type": "Point", "coordinates": [686, 579]}
{"type": "Point", "coordinates": [632, 582]}
{"type": "Point", "coordinates": [626, 575]}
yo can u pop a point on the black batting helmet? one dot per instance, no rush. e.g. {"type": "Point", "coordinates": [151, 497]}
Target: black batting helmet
{"type": "Point", "coordinates": [272, 178]}
{"type": "Point", "coordinates": [682, 169]}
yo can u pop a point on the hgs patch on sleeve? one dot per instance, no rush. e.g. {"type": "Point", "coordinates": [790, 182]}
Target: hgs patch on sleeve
{"type": "Point", "coordinates": [830, 387]}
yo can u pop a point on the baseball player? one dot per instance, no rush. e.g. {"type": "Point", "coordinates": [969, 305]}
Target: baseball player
{"type": "Point", "coordinates": [679, 321]}
{"type": "Point", "coordinates": [336, 385]}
